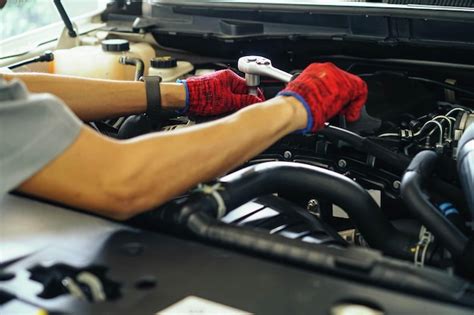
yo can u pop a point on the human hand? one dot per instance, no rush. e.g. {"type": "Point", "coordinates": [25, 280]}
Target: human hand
{"type": "Point", "coordinates": [218, 93]}
{"type": "Point", "coordinates": [325, 90]}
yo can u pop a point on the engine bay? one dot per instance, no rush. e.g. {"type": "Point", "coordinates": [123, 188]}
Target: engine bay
{"type": "Point", "coordinates": [408, 111]}
{"type": "Point", "coordinates": [406, 114]}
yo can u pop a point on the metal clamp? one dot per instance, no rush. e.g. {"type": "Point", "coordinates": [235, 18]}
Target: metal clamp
{"type": "Point", "coordinates": [426, 238]}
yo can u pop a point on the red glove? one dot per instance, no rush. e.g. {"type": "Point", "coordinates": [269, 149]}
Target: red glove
{"type": "Point", "coordinates": [218, 93]}
{"type": "Point", "coordinates": [325, 90]}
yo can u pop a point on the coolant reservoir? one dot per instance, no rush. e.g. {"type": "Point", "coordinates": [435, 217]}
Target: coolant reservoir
{"type": "Point", "coordinates": [169, 69]}
{"type": "Point", "coordinates": [102, 61]}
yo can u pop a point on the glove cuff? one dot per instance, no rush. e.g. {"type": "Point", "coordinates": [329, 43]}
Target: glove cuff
{"type": "Point", "coordinates": [309, 125]}
{"type": "Point", "coordinates": [186, 104]}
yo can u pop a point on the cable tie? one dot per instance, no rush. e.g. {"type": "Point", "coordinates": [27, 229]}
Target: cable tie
{"type": "Point", "coordinates": [213, 191]}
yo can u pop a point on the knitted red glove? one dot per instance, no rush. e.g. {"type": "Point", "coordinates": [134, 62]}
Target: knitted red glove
{"type": "Point", "coordinates": [325, 90]}
{"type": "Point", "coordinates": [218, 93]}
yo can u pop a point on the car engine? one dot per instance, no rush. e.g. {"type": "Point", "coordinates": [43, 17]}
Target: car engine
{"type": "Point", "coordinates": [408, 114]}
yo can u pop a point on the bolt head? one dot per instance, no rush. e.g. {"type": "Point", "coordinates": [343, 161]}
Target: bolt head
{"type": "Point", "coordinates": [396, 184]}
{"type": "Point", "coordinates": [313, 206]}
{"type": "Point", "coordinates": [342, 163]}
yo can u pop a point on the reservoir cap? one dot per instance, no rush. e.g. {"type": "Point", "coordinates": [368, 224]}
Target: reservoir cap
{"type": "Point", "coordinates": [115, 45]}
{"type": "Point", "coordinates": [164, 62]}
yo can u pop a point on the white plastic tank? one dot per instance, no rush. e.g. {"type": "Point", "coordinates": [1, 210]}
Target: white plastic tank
{"type": "Point", "coordinates": [169, 69]}
{"type": "Point", "coordinates": [102, 61]}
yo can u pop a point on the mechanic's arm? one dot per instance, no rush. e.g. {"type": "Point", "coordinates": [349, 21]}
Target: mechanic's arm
{"type": "Point", "coordinates": [95, 99]}
{"type": "Point", "coordinates": [121, 179]}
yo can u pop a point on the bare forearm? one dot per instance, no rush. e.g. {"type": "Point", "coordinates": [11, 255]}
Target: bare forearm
{"type": "Point", "coordinates": [122, 178]}
{"type": "Point", "coordinates": [205, 152]}
{"type": "Point", "coordinates": [94, 99]}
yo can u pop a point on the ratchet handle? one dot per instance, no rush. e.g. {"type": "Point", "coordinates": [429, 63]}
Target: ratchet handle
{"type": "Point", "coordinates": [260, 66]}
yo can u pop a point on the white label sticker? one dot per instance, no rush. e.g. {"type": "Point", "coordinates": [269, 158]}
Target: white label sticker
{"type": "Point", "coordinates": [194, 305]}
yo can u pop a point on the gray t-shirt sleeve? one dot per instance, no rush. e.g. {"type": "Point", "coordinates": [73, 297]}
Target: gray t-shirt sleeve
{"type": "Point", "coordinates": [34, 129]}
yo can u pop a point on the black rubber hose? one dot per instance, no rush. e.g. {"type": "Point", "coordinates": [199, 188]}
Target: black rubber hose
{"type": "Point", "coordinates": [364, 144]}
{"type": "Point", "coordinates": [465, 159]}
{"type": "Point", "coordinates": [413, 182]}
{"type": "Point", "coordinates": [278, 177]}
{"type": "Point", "coordinates": [284, 177]}
{"type": "Point", "coordinates": [466, 261]}
{"type": "Point", "coordinates": [394, 159]}
{"type": "Point", "coordinates": [351, 264]}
